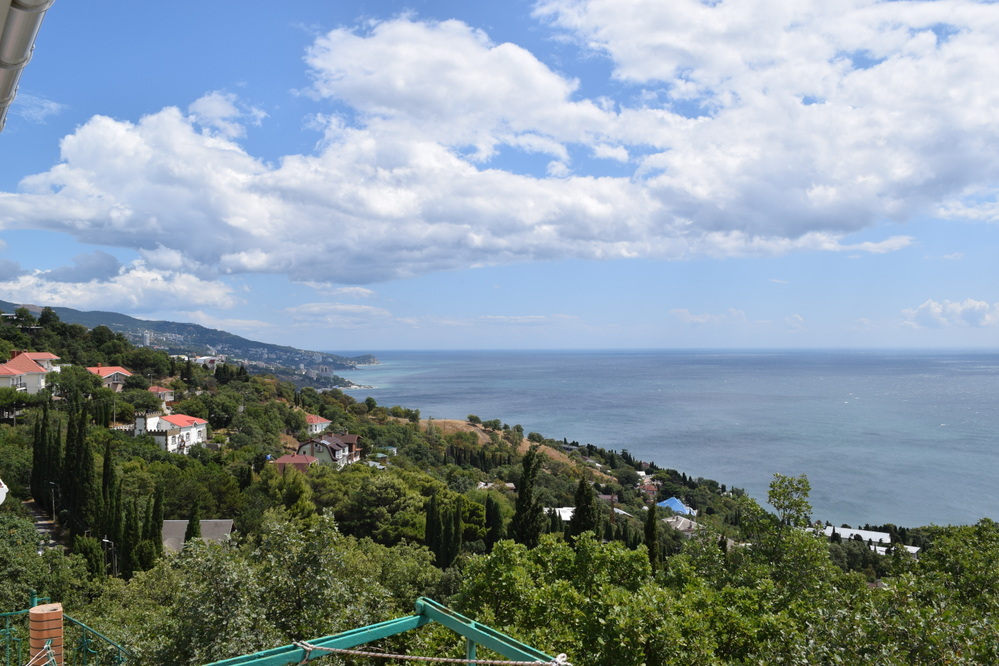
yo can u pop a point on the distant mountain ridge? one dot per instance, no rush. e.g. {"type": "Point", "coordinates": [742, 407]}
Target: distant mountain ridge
{"type": "Point", "coordinates": [182, 338]}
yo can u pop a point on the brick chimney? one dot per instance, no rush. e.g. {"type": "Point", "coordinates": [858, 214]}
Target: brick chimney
{"type": "Point", "coordinates": [45, 624]}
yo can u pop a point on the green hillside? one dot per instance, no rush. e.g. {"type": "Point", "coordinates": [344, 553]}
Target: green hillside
{"type": "Point", "coordinates": [177, 337]}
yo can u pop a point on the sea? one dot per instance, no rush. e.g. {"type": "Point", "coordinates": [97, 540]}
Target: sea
{"type": "Point", "coordinates": [903, 437]}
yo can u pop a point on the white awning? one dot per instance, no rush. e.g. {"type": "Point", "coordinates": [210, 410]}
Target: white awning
{"type": "Point", "coordinates": [19, 24]}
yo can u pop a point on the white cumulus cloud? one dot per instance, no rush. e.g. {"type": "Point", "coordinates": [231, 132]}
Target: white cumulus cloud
{"type": "Point", "coordinates": [967, 313]}
{"type": "Point", "coordinates": [755, 129]}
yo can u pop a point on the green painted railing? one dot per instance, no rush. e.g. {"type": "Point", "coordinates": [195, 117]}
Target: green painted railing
{"type": "Point", "coordinates": [82, 646]}
{"type": "Point", "coordinates": [14, 637]}
{"type": "Point", "coordinates": [427, 611]}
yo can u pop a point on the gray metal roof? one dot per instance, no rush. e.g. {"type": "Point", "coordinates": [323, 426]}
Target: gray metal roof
{"type": "Point", "coordinates": [211, 530]}
{"type": "Point", "coordinates": [19, 24]}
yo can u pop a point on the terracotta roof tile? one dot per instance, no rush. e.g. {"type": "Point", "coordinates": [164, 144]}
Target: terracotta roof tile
{"type": "Point", "coordinates": [106, 370]}
{"type": "Point", "coordinates": [183, 420]}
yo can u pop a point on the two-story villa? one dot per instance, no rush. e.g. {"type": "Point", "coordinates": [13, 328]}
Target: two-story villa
{"type": "Point", "coordinates": [176, 433]}
{"type": "Point", "coordinates": [25, 371]}
{"type": "Point", "coordinates": [330, 449]}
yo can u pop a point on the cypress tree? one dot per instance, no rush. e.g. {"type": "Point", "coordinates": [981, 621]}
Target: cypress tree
{"type": "Point", "coordinates": [193, 530]}
{"type": "Point", "coordinates": [155, 528]}
{"type": "Point", "coordinates": [39, 450]}
{"type": "Point", "coordinates": [78, 474]}
{"type": "Point", "coordinates": [131, 537]}
{"type": "Point", "coordinates": [148, 529]}
{"type": "Point", "coordinates": [652, 536]}
{"type": "Point", "coordinates": [91, 504]}
{"type": "Point", "coordinates": [494, 522]}
{"type": "Point", "coordinates": [444, 557]}
{"type": "Point", "coordinates": [529, 519]}
{"type": "Point", "coordinates": [457, 529]}
{"type": "Point", "coordinates": [109, 481]}
{"type": "Point", "coordinates": [116, 518]}
{"type": "Point", "coordinates": [434, 529]}
{"type": "Point", "coordinates": [584, 517]}
{"type": "Point", "coordinates": [555, 523]}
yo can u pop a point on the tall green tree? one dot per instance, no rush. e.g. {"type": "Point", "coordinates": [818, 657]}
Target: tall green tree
{"type": "Point", "coordinates": [434, 528]}
{"type": "Point", "coordinates": [494, 522]}
{"type": "Point", "coordinates": [193, 530]}
{"type": "Point", "coordinates": [529, 518]}
{"type": "Point", "coordinates": [154, 530]}
{"type": "Point", "coordinates": [585, 515]}
{"type": "Point", "coordinates": [789, 496]}
{"type": "Point", "coordinates": [652, 536]}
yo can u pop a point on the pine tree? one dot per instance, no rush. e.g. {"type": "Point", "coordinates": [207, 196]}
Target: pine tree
{"type": "Point", "coordinates": [529, 518]}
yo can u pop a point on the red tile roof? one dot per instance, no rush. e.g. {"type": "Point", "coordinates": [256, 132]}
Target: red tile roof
{"type": "Point", "coordinates": [182, 420]}
{"type": "Point", "coordinates": [106, 371]}
{"type": "Point", "coordinates": [22, 364]}
{"type": "Point", "coordinates": [41, 356]}
{"type": "Point", "coordinates": [300, 461]}
{"type": "Point", "coordinates": [312, 418]}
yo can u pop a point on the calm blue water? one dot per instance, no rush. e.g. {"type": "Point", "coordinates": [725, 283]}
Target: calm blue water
{"type": "Point", "coordinates": [905, 437]}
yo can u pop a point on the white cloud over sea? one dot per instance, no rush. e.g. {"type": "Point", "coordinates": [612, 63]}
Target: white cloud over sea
{"type": "Point", "coordinates": [969, 313]}
{"type": "Point", "coordinates": [749, 129]}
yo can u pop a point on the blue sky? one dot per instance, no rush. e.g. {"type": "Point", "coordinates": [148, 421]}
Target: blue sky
{"type": "Point", "coordinates": [550, 174]}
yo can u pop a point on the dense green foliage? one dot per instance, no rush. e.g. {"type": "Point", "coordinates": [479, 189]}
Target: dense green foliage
{"type": "Point", "coordinates": [454, 513]}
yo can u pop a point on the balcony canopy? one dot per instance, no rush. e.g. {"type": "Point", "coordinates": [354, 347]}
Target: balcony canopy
{"type": "Point", "coordinates": [19, 24]}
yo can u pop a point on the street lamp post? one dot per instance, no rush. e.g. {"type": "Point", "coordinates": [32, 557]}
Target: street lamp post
{"type": "Point", "coordinates": [114, 556]}
{"type": "Point", "coordinates": [52, 494]}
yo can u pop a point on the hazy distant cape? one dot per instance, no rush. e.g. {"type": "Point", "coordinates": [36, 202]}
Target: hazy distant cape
{"type": "Point", "coordinates": [193, 338]}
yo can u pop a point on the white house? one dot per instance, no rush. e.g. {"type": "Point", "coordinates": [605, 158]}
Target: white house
{"type": "Point", "coordinates": [25, 371]}
{"type": "Point", "coordinates": [683, 525]}
{"type": "Point", "coordinates": [176, 433]}
{"type": "Point", "coordinates": [210, 362]}
{"type": "Point", "coordinates": [316, 424]}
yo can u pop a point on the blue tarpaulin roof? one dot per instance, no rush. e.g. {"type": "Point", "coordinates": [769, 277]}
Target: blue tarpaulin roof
{"type": "Point", "coordinates": [677, 506]}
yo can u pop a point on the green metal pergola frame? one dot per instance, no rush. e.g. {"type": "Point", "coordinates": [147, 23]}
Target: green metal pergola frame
{"type": "Point", "coordinates": [427, 610]}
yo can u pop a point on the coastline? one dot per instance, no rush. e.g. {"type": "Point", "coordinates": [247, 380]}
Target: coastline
{"type": "Point", "coordinates": [863, 426]}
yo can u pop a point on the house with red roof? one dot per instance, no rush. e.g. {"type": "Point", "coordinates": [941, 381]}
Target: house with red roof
{"type": "Point", "coordinates": [26, 371]}
{"type": "Point", "coordinates": [165, 395]}
{"type": "Point", "coordinates": [176, 433]}
{"type": "Point", "coordinates": [301, 462]}
{"type": "Point", "coordinates": [112, 376]}
{"type": "Point", "coordinates": [316, 424]}
{"type": "Point", "coordinates": [330, 449]}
